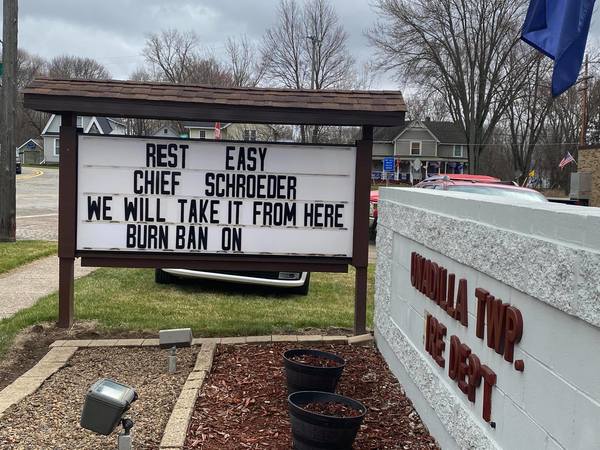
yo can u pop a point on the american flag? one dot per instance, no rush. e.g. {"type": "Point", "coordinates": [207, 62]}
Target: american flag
{"type": "Point", "coordinates": [217, 130]}
{"type": "Point", "coordinates": [566, 160]}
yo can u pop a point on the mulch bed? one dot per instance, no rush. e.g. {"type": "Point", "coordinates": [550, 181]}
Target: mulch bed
{"type": "Point", "coordinates": [243, 402]}
{"type": "Point", "coordinates": [49, 418]}
{"type": "Point", "coordinates": [33, 343]}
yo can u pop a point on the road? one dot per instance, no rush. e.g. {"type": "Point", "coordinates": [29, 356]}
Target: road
{"type": "Point", "coordinates": [37, 204]}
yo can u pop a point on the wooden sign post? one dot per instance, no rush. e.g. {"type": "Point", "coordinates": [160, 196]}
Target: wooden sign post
{"type": "Point", "coordinates": [348, 239]}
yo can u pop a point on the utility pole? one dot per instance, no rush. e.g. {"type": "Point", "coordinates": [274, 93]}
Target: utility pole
{"type": "Point", "coordinates": [584, 104]}
{"type": "Point", "coordinates": [313, 74]}
{"type": "Point", "coordinates": [9, 102]}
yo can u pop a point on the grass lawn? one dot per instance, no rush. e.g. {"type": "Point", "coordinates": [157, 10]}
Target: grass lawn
{"type": "Point", "coordinates": [14, 254]}
{"type": "Point", "coordinates": [128, 299]}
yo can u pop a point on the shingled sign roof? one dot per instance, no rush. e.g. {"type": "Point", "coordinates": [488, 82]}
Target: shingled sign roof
{"type": "Point", "coordinates": [197, 102]}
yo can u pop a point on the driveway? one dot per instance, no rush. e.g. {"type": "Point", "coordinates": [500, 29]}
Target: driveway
{"type": "Point", "coordinates": [37, 203]}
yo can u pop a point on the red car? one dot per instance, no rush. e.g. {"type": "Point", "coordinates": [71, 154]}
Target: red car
{"type": "Point", "coordinates": [478, 184]}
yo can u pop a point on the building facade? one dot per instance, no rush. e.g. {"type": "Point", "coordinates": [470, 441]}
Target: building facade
{"type": "Point", "coordinates": [419, 149]}
{"type": "Point", "coordinates": [89, 124]}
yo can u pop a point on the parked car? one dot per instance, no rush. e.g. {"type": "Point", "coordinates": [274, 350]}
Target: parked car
{"type": "Point", "coordinates": [479, 184]}
{"type": "Point", "coordinates": [472, 183]}
{"type": "Point", "coordinates": [373, 214]}
{"type": "Point", "coordinates": [18, 165]}
{"type": "Point", "coordinates": [294, 282]}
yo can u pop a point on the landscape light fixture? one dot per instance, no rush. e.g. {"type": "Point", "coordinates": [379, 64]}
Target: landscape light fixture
{"type": "Point", "coordinates": [172, 339]}
{"type": "Point", "coordinates": [105, 403]}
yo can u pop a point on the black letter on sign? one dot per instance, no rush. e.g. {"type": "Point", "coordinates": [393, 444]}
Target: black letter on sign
{"type": "Point", "coordinates": [231, 239]}
{"type": "Point", "coordinates": [93, 208]}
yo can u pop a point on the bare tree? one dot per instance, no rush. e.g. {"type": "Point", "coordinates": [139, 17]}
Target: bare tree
{"type": "Point", "coordinates": [283, 48]}
{"type": "Point", "coordinates": [175, 57]}
{"type": "Point", "coordinates": [67, 66]}
{"type": "Point", "coordinates": [422, 105]}
{"type": "Point", "coordinates": [171, 53]}
{"type": "Point", "coordinates": [526, 116]}
{"type": "Point", "coordinates": [29, 122]}
{"type": "Point", "coordinates": [245, 67]}
{"type": "Point", "coordinates": [307, 48]}
{"type": "Point", "coordinates": [459, 49]}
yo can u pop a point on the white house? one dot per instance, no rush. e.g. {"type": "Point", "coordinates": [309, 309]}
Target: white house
{"type": "Point", "coordinates": [31, 151]}
{"type": "Point", "coordinates": [91, 125]}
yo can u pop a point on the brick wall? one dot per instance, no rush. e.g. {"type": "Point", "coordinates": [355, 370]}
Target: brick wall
{"type": "Point", "coordinates": [544, 260]}
{"type": "Point", "coordinates": [589, 161]}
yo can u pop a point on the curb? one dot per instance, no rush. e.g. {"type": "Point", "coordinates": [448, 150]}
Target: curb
{"type": "Point", "coordinates": [363, 339]}
{"type": "Point", "coordinates": [176, 430]}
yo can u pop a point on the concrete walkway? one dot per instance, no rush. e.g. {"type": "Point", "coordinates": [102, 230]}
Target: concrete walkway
{"type": "Point", "coordinates": [22, 287]}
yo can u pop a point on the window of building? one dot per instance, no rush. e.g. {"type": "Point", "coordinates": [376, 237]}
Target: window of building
{"type": "Point", "coordinates": [56, 147]}
{"type": "Point", "coordinates": [459, 151]}
{"type": "Point", "coordinates": [249, 135]}
{"type": "Point", "coordinates": [415, 147]}
{"type": "Point", "coordinates": [165, 131]}
{"type": "Point", "coordinates": [201, 134]}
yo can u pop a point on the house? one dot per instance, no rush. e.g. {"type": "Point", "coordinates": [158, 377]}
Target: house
{"type": "Point", "coordinates": [420, 148]}
{"type": "Point", "coordinates": [89, 124]}
{"type": "Point", "coordinates": [165, 131]}
{"type": "Point", "coordinates": [31, 151]}
{"type": "Point", "coordinates": [231, 131]}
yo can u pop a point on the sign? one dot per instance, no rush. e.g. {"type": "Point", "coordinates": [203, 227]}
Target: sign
{"type": "Point", "coordinates": [388, 164]}
{"type": "Point", "coordinates": [166, 195]}
{"type": "Point", "coordinates": [498, 324]}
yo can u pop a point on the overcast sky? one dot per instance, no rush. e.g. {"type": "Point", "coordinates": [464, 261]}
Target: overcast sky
{"type": "Point", "coordinates": [114, 31]}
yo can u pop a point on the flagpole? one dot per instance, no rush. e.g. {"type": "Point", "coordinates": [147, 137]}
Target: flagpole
{"type": "Point", "coordinates": [584, 115]}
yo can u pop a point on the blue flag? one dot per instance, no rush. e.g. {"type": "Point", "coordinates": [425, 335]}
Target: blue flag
{"type": "Point", "coordinates": [559, 29]}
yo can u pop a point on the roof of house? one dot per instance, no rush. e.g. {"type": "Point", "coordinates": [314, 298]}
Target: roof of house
{"type": "Point", "coordinates": [34, 141]}
{"type": "Point", "coordinates": [445, 132]}
{"type": "Point", "coordinates": [104, 124]}
{"type": "Point", "coordinates": [114, 98]}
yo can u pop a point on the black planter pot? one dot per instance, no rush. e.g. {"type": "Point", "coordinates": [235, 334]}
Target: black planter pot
{"type": "Point", "coordinates": [302, 377]}
{"type": "Point", "coordinates": [313, 431]}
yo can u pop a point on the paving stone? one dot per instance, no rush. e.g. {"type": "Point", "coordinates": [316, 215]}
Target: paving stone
{"type": "Point", "coordinates": [233, 340]}
{"type": "Point", "coordinates": [43, 369]}
{"type": "Point", "coordinates": [58, 343]}
{"type": "Point", "coordinates": [175, 431]}
{"type": "Point", "coordinates": [77, 343]}
{"type": "Point", "coordinates": [104, 343]}
{"type": "Point", "coordinates": [335, 339]}
{"type": "Point", "coordinates": [361, 339]}
{"type": "Point", "coordinates": [310, 338]}
{"type": "Point", "coordinates": [187, 399]}
{"type": "Point", "coordinates": [200, 374]}
{"type": "Point", "coordinates": [258, 339]}
{"type": "Point", "coordinates": [195, 383]}
{"type": "Point", "coordinates": [129, 342]}
{"type": "Point", "coordinates": [58, 354]}
{"type": "Point", "coordinates": [284, 338]}
{"type": "Point", "coordinates": [150, 343]}
{"type": "Point", "coordinates": [203, 362]}
{"type": "Point", "coordinates": [4, 406]}
{"type": "Point", "coordinates": [201, 341]}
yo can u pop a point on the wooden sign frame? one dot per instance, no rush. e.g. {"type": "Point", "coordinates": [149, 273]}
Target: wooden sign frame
{"type": "Point", "coordinates": [70, 98]}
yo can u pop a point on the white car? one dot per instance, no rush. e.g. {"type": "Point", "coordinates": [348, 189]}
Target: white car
{"type": "Point", "coordinates": [294, 282]}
